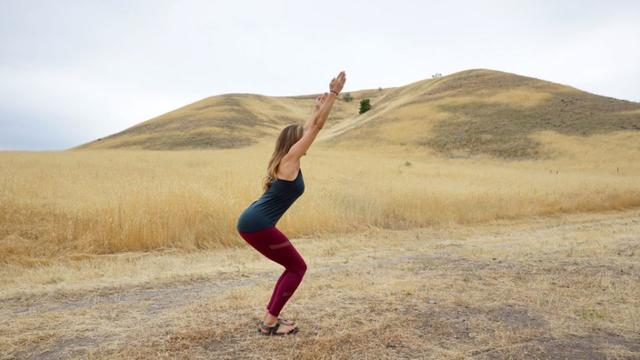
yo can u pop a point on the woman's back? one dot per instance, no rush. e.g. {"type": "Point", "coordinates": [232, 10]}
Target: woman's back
{"type": "Point", "coordinates": [272, 204]}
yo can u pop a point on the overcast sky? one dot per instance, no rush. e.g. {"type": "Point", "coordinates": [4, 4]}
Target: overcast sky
{"type": "Point", "coordinates": [73, 71]}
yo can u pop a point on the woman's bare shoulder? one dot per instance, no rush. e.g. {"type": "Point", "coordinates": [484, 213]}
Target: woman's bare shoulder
{"type": "Point", "coordinates": [288, 169]}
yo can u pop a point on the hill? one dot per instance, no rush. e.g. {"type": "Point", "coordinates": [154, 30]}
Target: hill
{"type": "Point", "coordinates": [485, 112]}
{"type": "Point", "coordinates": [223, 121]}
{"type": "Point", "coordinates": [476, 111]}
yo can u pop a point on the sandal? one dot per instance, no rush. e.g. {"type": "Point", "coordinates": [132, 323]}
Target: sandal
{"type": "Point", "coordinates": [286, 322]}
{"type": "Point", "coordinates": [273, 330]}
{"type": "Point", "coordinates": [282, 321]}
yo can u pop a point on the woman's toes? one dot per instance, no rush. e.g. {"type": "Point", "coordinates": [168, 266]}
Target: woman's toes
{"type": "Point", "coordinates": [283, 329]}
{"type": "Point", "coordinates": [286, 322]}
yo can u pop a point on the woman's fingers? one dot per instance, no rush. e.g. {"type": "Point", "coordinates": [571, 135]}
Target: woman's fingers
{"type": "Point", "coordinates": [321, 99]}
{"type": "Point", "coordinates": [341, 77]}
{"type": "Point", "coordinates": [337, 82]}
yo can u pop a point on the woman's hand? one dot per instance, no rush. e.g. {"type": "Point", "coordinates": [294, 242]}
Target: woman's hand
{"type": "Point", "coordinates": [320, 100]}
{"type": "Point", "coordinates": [337, 83]}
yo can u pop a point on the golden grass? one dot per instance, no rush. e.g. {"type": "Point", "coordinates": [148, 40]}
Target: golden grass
{"type": "Point", "coordinates": [442, 258]}
{"type": "Point", "coordinates": [563, 286]}
{"type": "Point", "coordinates": [63, 204]}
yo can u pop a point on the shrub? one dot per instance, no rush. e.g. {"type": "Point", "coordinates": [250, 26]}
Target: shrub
{"type": "Point", "coordinates": [365, 105]}
{"type": "Point", "coordinates": [347, 97]}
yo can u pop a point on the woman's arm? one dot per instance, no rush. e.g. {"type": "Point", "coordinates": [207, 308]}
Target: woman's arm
{"type": "Point", "coordinates": [325, 109]}
{"type": "Point", "coordinates": [312, 119]}
{"type": "Point", "coordinates": [324, 103]}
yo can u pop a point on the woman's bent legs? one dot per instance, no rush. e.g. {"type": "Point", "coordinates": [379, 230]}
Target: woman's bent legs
{"type": "Point", "coordinates": [276, 246]}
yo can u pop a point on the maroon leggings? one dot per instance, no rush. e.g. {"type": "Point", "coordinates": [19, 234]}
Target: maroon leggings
{"type": "Point", "coordinates": [276, 246]}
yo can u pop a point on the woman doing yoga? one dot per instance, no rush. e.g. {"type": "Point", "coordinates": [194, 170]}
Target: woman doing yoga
{"type": "Point", "coordinates": [282, 185]}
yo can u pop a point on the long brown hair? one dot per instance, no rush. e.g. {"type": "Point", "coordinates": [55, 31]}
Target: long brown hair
{"type": "Point", "coordinates": [288, 136]}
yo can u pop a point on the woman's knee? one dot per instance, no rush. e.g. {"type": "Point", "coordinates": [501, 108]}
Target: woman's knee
{"type": "Point", "coordinates": [299, 267]}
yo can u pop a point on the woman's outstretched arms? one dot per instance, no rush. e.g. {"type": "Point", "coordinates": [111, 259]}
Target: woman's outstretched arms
{"type": "Point", "coordinates": [324, 103]}
{"type": "Point", "coordinates": [312, 119]}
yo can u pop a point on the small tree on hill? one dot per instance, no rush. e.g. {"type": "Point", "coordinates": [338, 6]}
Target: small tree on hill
{"type": "Point", "coordinates": [365, 105]}
{"type": "Point", "coordinates": [347, 97]}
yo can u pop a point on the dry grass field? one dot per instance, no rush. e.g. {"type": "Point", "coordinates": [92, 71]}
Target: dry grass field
{"type": "Point", "coordinates": [79, 203]}
{"type": "Point", "coordinates": [134, 254]}
{"type": "Point", "coordinates": [559, 287]}
{"type": "Point", "coordinates": [482, 215]}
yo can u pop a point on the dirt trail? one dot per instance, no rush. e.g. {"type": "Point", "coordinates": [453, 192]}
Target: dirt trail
{"type": "Point", "coordinates": [540, 288]}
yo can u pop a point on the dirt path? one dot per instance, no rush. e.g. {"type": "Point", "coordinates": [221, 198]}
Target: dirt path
{"type": "Point", "coordinates": [564, 287]}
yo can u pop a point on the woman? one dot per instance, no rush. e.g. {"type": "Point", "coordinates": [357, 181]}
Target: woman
{"type": "Point", "coordinates": [282, 186]}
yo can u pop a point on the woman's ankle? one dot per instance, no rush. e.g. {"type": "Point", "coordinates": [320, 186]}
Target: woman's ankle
{"type": "Point", "coordinates": [269, 319]}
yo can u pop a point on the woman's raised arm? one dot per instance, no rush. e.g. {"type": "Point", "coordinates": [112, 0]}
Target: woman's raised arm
{"type": "Point", "coordinates": [324, 103]}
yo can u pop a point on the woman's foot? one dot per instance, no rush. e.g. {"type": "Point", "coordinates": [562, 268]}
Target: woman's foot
{"type": "Point", "coordinates": [285, 321]}
{"type": "Point", "coordinates": [269, 319]}
{"type": "Point", "coordinates": [276, 328]}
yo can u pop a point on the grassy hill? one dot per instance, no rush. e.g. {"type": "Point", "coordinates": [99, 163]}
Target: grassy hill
{"type": "Point", "coordinates": [470, 112]}
{"type": "Point", "coordinates": [223, 121]}
{"type": "Point", "coordinates": [486, 112]}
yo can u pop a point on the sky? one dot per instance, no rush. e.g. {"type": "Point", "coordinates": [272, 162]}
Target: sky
{"type": "Point", "coordinates": [74, 71]}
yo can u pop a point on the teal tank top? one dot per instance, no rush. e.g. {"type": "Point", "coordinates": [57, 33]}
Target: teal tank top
{"type": "Point", "coordinates": [272, 204]}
